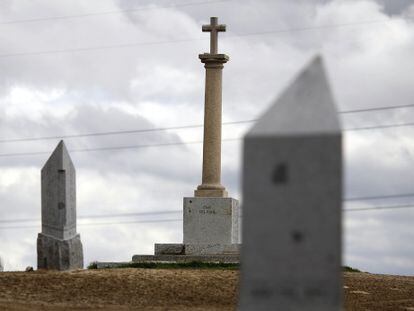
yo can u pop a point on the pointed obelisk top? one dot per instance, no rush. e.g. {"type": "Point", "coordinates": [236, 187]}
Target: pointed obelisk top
{"type": "Point", "coordinates": [60, 158]}
{"type": "Point", "coordinates": [305, 107]}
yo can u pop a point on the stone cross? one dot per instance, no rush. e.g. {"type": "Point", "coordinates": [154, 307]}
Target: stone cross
{"type": "Point", "coordinates": [292, 199]}
{"type": "Point", "coordinates": [211, 179]}
{"type": "Point", "coordinates": [58, 245]}
{"type": "Point", "coordinates": [214, 28]}
{"type": "Point", "coordinates": [210, 218]}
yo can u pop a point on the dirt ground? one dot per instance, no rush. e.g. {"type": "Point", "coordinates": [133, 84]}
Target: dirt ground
{"type": "Point", "coordinates": [173, 289]}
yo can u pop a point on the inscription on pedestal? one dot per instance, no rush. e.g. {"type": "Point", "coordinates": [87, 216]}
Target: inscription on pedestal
{"type": "Point", "coordinates": [207, 210]}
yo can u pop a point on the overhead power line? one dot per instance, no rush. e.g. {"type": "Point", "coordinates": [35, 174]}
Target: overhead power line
{"type": "Point", "coordinates": [114, 148]}
{"type": "Point", "coordinates": [167, 212]}
{"type": "Point", "coordinates": [145, 130]}
{"type": "Point", "coordinates": [112, 12]}
{"type": "Point", "coordinates": [99, 216]}
{"type": "Point", "coordinates": [391, 207]}
{"type": "Point", "coordinates": [388, 207]}
{"type": "Point", "coordinates": [162, 42]}
{"type": "Point", "coordinates": [321, 27]}
{"type": "Point", "coordinates": [378, 197]}
{"type": "Point", "coordinates": [18, 154]}
{"type": "Point", "coordinates": [97, 48]}
{"type": "Point", "coordinates": [376, 109]}
{"type": "Point", "coordinates": [100, 223]}
{"type": "Point", "coordinates": [148, 130]}
{"type": "Point", "coordinates": [374, 127]}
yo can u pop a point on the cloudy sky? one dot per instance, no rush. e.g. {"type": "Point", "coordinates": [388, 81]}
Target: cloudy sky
{"type": "Point", "coordinates": [75, 67]}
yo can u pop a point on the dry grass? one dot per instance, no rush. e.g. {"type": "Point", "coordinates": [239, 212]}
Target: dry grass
{"type": "Point", "coordinates": [175, 289]}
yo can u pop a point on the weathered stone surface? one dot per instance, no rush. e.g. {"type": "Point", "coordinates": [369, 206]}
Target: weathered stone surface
{"type": "Point", "coordinates": [227, 258]}
{"type": "Point", "coordinates": [211, 221]}
{"type": "Point", "coordinates": [196, 249]}
{"type": "Point", "coordinates": [212, 249]}
{"type": "Point", "coordinates": [168, 249]}
{"type": "Point", "coordinates": [58, 254]}
{"type": "Point", "coordinates": [59, 238]}
{"type": "Point", "coordinates": [292, 196]}
{"type": "Point", "coordinates": [105, 265]}
{"type": "Point", "coordinates": [59, 195]}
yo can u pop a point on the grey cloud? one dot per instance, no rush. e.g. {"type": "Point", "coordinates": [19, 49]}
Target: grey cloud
{"type": "Point", "coordinates": [395, 7]}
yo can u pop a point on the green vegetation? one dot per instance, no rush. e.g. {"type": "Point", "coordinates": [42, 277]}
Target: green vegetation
{"type": "Point", "coordinates": [350, 269]}
{"type": "Point", "coordinates": [93, 265]}
{"type": "Point", "coordinates": [186, 265]}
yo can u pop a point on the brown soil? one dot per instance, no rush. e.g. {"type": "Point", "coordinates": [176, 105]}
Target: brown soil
{"type": "Point", "coordinates": [173, 289]}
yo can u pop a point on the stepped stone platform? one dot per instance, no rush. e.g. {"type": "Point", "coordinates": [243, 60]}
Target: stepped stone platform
{"type": "Point", "coordinates": [223, 258]}
{"type": "Point", "coordinates": [184, 253]}
{"type": "Point", "coordinates": [233, 259]}
{"type": "Point", "coordinates": [181, 253]}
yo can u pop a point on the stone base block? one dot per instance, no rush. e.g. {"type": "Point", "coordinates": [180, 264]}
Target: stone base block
{"type": "Point", "coordinates": [169, 249]}
{"type": "Point", "coordinates": [215, 193]}
{"type": "Point", "coordinates": [213, 221]}
{"type": "Point", "coordinates": [196, 249]}
{"type": "Point", "coordinates": [230, 258]}
{"type": "Point", "coordinates": [58, 254]}
{"type": "Point", "coordinates": [212, 249]}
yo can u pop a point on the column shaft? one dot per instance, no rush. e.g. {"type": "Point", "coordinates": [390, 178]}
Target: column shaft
{"type": "Point", "coordinates": [211, 176]}
{"type": "Point", "coordinates": [212, 128]}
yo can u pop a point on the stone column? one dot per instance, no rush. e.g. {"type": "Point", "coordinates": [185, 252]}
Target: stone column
{"type": "Point", "coordinates": [211, 178]}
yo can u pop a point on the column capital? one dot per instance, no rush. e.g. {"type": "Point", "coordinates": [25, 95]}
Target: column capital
{"type": "Point", "coordinates": [213, 59]}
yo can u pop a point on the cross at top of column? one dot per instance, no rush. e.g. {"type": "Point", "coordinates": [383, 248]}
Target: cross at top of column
{"type": "Point", "coordinates": [214, 29]}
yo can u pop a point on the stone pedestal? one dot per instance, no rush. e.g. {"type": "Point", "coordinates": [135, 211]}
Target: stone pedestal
{"type": "Point", "coordinates": [56, 254]}
{"type": "Point", "coordinates": [211, 221]}
{"type": "Point", "coordinates": [211, 233]}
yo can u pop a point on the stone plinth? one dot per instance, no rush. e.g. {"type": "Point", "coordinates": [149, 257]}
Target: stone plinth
{"type": "Point", "coordinates": [59, 254]}
{"type": "Point", "coordinates": [223, 258]}
{"type": "Point", "coordinates": [292, 199]}
{"type": "Point", "coordinates": [197, 249]}
{"type": "Point", "coordinates": [211, 228]}
{"type": "Point", "coordinates": [211, 221]}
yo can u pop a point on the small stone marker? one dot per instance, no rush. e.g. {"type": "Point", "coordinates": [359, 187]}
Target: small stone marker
{"type": "Point", "coordinates": [1, 265]}
{"type": "Point", "coordinates": [292, 191]}
{"type": "Point", "coordinates": [59, 246]}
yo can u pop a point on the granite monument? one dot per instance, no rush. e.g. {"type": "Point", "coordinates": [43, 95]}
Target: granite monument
{"type": "Point", "coordinates": [58, 245]}
{"type": "Point", "coordinates": [292, 198]}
